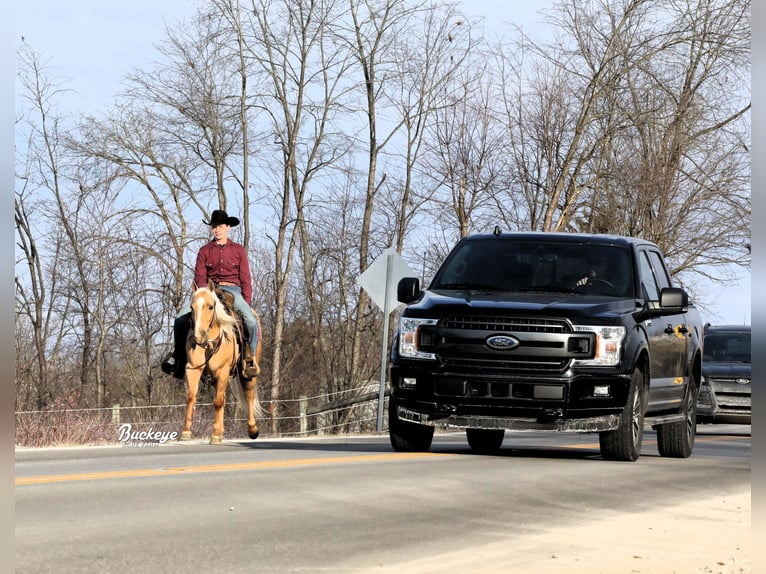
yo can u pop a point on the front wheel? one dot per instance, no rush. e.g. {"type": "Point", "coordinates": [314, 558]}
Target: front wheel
{"type": "Point", "coordinates": [624, 442]}
{"type": "Point", "coordinates": [677, 439]}
{"type": "Point", "coordinates": [406, 436]}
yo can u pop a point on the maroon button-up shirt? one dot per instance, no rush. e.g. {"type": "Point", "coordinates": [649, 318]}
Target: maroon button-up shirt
{"type": "Point", "coordinates": [228, 263]}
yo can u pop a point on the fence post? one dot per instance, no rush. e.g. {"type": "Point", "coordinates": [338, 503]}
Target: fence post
{"type": "Point", "coordinates": [116, 413]}
{"type": "Point", "coordinates": [304, 406]}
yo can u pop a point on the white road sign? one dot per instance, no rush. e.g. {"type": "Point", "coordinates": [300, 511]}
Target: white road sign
{"type": "Point", "coordinates": [389, 264]}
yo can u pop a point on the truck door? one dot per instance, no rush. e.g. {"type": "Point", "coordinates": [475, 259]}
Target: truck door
{"type": "Point", "coordinates": [667, 342]}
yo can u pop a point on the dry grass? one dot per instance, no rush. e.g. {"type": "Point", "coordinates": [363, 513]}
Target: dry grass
{"type": "Point", "coordinates": [63, 427]}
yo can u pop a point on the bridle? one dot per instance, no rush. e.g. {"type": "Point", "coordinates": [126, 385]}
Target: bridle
{"type": "Point", "coordinates": [207, 342]}
{"type": "Point", "coordinates": [211, 346]}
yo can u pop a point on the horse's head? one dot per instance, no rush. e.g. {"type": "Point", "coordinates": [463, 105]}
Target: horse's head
{"type": "Point", "coordinates": [209, 314]}
{"type": "Point", "coordinates": [203, 307]}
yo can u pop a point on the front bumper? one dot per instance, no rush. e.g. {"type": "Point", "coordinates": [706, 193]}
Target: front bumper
{"type": "Point", "coordinates": [724, 403]}
{"type": "Point", "coordinates": [584, 425]}
{"type": "Point", "coordinates": [582, 402]}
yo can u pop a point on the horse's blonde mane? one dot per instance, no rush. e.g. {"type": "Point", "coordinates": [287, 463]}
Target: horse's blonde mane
{"type": "Point", "coordinates": [225, 321]}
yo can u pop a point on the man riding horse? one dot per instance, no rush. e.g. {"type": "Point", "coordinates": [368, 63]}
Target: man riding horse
{"type": "Point", "coordinates": [225, 263]}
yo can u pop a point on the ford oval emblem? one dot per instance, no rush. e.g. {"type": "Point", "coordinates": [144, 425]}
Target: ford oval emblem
{"type": "Point", "coordinates": [502, 342]}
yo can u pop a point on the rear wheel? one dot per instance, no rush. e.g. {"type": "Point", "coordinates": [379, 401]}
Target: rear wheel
{"type": "Point", "coordinates": [485, 440]}
{"type": "Point", "coordinates": [624, 442]}
{"type": "Point", "coordinates": [406, 436]}
{"type": "Point", "coordinates": [677, 439]}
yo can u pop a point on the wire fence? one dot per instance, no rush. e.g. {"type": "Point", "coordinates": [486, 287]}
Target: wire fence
{"type": "Point", "coordinates": [344, 412]}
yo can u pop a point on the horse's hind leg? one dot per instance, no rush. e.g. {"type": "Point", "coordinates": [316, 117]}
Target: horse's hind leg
{"type": "Point", "coordinates": [249, 388]}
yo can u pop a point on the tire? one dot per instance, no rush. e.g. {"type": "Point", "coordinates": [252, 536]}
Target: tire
{"type": "Point", "coordinates": [485, 440]}
{"type": "Point", "coordinates": [406, 436]}
{"type": "Point", "coordinates": [677, 439]}
{"type": "Point", "coordinates": [624, 442]}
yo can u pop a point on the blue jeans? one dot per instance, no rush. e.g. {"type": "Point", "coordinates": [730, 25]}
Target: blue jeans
{"type": "Point", "coordinates": [240, 306]}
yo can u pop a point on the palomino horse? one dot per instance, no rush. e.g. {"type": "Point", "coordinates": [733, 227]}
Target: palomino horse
{"type": "Point", "coordinates": [213, 345]}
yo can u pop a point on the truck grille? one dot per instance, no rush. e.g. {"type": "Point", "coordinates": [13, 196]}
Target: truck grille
{"type": "Point", "coordinates": [494, 366]}
{"type": "Point", "coordinates": [506, 324]}
{"type": "Point", "coordinates": [532, 357]}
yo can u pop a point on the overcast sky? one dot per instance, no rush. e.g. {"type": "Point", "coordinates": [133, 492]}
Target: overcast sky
{"type": "Point", "coordinates": [93, 44]}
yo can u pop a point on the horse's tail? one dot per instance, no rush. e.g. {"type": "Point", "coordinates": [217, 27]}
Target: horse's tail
{"type": "Point", "coordinates": [239, 397]}
{"type": "Point", "coordinates": [257, 408]}
{"type": "Point", "coordinates": [241, 400]}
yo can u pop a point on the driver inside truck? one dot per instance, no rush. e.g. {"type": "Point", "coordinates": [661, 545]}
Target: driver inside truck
{"type": "Point", "coordinates": [596, 270]}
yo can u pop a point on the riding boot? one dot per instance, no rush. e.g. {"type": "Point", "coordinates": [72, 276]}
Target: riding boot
{"type": "Point", "coordinates": [250, 368]}
{"type": "Point", "coordinates": [181, 332]}
{"type": "Point", "coordinates": [178, 365]}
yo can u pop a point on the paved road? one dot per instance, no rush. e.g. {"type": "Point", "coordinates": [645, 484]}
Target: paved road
{"type": "Point", "coordinates": [340, 504]}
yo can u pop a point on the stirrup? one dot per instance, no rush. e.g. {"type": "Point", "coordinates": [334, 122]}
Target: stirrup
{"type": "Point", "coordinates": [250, 369]}
{"type": "Point", "coordinates": [167, 367]}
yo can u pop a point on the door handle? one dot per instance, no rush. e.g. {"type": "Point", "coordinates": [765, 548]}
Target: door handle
{"type": "Point", "coordinates": [669, 329]}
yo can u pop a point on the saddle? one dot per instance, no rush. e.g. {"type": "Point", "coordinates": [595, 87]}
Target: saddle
{"type": "Point", "coordinates": [227, 299]}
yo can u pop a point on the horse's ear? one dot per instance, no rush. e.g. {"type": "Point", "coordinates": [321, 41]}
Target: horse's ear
{"type": "Point", "coordinates": [210, 285]}
{"type": "Point", "coordinates": [194, 286]}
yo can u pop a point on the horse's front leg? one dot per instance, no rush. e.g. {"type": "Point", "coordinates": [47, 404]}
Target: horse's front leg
{"type": "Point", "coordinates": [192, 385]}
{"type": "Point", "coordinates": [219, 404]}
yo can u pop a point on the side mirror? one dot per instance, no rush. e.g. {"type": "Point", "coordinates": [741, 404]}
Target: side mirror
{"type": "Point", "coordinates": [408, 289]}
{"type": "Point", "coordinates": [673, 300]}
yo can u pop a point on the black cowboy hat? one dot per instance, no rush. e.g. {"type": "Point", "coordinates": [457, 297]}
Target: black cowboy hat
{"type": "Point", "coordinates": [220, 216]}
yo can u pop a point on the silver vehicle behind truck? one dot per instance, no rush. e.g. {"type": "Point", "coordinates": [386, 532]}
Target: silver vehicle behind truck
{"type": "Point", "coordinates": [725, 395]}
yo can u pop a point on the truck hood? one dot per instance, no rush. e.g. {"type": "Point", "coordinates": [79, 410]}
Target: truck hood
{"type": "Point", "coordinates": [726, 370]}
{"type": "Point", "coordinates": [437, 303]}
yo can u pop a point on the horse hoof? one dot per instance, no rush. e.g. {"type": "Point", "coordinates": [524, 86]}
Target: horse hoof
{"type": "Point", "coordinates": [216, 439]}
{"type": "Point", "coordinates": [253, 433]}
{"type": "Point", "coordinates": [185, 435]}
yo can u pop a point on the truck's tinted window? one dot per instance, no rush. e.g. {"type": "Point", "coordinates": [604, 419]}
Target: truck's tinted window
{"type": "Point", "coordinates": [660, 273]}
{"type": "Point", "coordinates": [504, 265]}
{"type": "Point", "coordinates": [648, 281]}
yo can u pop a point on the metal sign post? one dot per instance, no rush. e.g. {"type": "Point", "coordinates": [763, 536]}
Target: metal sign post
{"type": "Point", "coordinates": [387, 269]}
{"type": "Point", "coordinates": [384, 350]}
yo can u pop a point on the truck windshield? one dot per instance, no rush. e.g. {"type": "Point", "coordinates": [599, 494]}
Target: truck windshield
{"type": "Point", "coordinates": [727, 348]}
{"type": "Point", "coordinates": [497, 264]}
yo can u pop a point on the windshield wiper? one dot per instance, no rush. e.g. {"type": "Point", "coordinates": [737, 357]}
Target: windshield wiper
{"type": "Point", "coordinates": [467, 287]}
{"type": "Point", "coordinates": [550, 289]}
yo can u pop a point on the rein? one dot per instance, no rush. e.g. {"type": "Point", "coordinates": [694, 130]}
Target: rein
{"type": "Point", "coordinates": [209, 351]}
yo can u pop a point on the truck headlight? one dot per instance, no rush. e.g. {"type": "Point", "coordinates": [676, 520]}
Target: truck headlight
{"type": "Point", "coordinates": [608, 345]}
{"type": "Point", "coordinates": [409, 337]}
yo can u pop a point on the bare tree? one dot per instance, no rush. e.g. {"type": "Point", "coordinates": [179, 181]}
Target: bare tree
{"type": "Point", "coordinates": [401, 82]}
{"type": "Point", "coordinates": [46, 157]}
{"type": "Point", "coordinates": [468, 152]}
{"type": "Point", "coordinates": [435, 56]}
{"type": "Point", "coordinates": [33, 303]}
{"type": "Point", "coordinates": [291, 45]}
{"type": "Point", "coordinates": [628, 124]}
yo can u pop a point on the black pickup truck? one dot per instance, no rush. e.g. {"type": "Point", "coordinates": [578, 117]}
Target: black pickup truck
{"type": "Point", "coordinates": [547, 332]}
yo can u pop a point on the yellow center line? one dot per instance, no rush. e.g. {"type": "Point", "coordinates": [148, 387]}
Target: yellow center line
{"type": "Point", "coordinates": [260, 465]}
{"type": "Point", "coordinates": [254, 465]}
